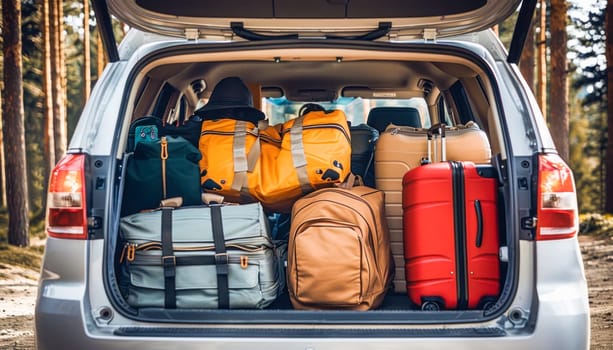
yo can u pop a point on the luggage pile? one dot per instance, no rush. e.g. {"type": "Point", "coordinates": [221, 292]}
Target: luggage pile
{"type": "Point", "coordinates": [256, 213]}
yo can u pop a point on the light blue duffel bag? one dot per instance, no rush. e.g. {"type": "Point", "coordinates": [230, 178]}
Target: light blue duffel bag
{"type": "Point", "coordinates": [218, 256]}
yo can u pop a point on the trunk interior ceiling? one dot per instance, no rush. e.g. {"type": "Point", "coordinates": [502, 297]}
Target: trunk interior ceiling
{"type": "Point", "coordinates": [293, 76]}
{"type": "Point", "coordinates": [329, 75]}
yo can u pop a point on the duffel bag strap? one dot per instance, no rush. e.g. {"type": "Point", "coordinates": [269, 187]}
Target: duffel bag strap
{"type": "Point", "coordinates": [169, 261]}
{"type": "Point", "coordinates": [221, 258]}
{"type": "Point", "coordinates": [244, 162]}
{"type": "Point", "coordinates": [298, 157]}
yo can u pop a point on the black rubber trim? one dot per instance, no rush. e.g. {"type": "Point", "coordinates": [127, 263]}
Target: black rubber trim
{"type": "Point", "coordinates": [105, 28]}
{"type": "Point", "coordinates": [520, 33]}
{"type": "Point", "coordinates": [459, 219]}
{"type": "Point", "coordinates": [309, 333]}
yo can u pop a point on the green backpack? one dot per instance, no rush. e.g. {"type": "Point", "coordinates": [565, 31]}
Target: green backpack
{"type": "Point", "coordinates": [165, 168]}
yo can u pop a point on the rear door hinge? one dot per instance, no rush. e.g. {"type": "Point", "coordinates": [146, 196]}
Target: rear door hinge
{"type": "Point", "coordinates": [430, 34]}
{"type": "Point", "coordinates": [192, 33]}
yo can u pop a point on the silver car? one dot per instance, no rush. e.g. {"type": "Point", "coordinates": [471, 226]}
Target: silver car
{"type": "Point", "coordinates": [438, 57]}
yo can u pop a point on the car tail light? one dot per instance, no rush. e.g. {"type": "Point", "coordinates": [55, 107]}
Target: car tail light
{"type": "Point", "coordinates": [557, 215]}
{"type": "Point", "coordinates": [66, 207]}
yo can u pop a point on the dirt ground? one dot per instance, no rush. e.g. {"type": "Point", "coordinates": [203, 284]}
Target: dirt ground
{"type": "Point", "coordinates": [18, 294]}
{"type": "Point", "coordinates": [17, 297]}
{"type": "Point", "coordinates": [598, 260]}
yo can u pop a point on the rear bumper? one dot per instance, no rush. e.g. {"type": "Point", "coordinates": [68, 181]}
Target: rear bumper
{"type": "Point", "coordinates": [64, 319]}
{"type": "Point", "coordinates": [60, 325]}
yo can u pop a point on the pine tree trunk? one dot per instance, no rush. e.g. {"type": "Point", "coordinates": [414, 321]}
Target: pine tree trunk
{"type": "Point", "coordinates": [57, 78]}
{"type": "Point", "coordinates": [541, 59]}
{"type": "Point", "coordinates": [609, 154]}
{"type": "Point", "coordinates": [99, 55]}
{"type": "Point", "coordinates": [87, 72]}
{"type": "Point", "coordinates": [13, 116]}
{"type": "Point", "coordinates": [527, 61]}
{"type": "Point", "coordinates": [48, 137]}
{"type": "Point", "coordinates": [558, 122]}
{"type": "Point", "coordinates": [2, 168]}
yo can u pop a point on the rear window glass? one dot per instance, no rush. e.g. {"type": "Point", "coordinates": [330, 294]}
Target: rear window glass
{"type": "Point", "coordinates": [280, 110]}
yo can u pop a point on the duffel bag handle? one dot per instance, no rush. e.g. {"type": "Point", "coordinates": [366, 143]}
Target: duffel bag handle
{"type": "Point", "coordinates": [351, 181]}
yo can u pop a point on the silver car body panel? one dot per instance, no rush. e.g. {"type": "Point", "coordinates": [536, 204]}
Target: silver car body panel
{"type": "Point", "coordinates": [549, 308]}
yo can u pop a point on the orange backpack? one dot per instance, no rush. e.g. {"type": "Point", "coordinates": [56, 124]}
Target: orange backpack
{"type": "Point", "coordinates": [274, 165]}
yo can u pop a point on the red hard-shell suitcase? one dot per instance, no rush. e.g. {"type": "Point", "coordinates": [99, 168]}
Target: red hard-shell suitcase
{"type": "Point", "coordinates": [450, 231]}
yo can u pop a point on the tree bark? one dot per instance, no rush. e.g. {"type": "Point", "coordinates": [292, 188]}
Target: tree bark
{"type": "Point", "coordinates": [13, 116]}
{"type": "Point", "coordinates": [527, 61]}
{"type": "Point", "coordinates": [2, 162]}
{"type": "Point", "coordinates": [48, 136]}
{"type": "Point", "coordinates": [609, 152]}
{"type": "Point", "coordinates": [87, 71]}
{"type": "Point", "coordinates": [57, 78]}
{"type": "Point", "coordinates": [558, 123]}
{"type": "Point", "coordinates": [541, 65]}
{"type": "Point", "coordinates": [99, 56]}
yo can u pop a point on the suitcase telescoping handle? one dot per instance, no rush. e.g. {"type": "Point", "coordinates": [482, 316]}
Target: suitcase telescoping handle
{"type": "Point", "coordinates": [479, 236]}
{"type": "Point", "coordinates": [436, 129]}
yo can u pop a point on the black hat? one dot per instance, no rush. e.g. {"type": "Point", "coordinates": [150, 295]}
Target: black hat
{"type": "Point", "coordinates": [231, 99]}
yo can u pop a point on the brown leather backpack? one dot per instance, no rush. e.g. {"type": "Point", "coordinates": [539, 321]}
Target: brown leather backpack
{"type": "Point", "coordinates": [339, 253]}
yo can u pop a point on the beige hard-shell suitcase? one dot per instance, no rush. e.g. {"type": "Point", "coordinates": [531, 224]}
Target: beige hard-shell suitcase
{"type": "Point", "coordinates": [401, 148]}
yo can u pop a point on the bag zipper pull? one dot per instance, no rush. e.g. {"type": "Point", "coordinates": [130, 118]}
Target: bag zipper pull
{"type": "Point", "coordinates": [164, 156]}
{"type": "Point", "coordinates": [244, 261]}
{"type": "Point", "coordinates": [131, 251]}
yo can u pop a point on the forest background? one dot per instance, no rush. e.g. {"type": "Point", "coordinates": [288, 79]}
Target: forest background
{"type": "Point", "coordinates": [52, 57]}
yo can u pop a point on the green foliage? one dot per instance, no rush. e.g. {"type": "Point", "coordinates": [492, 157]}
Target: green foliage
{"type": "Point", "coordinates": [596, 224]}
{"type": "Point", "coordinates": [506, 28]}
{"type": "Point", "coordinates": [589, 54]}
{"type": "Point", "coordinates": [588, 125]}
{"type": "Point", "coordinates": [32, 100]}
{"type": "Point", "coordinates": [586, 150]}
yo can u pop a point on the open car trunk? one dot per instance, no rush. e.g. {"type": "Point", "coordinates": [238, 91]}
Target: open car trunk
{"type": "Point", "coordinates": [444, 83]}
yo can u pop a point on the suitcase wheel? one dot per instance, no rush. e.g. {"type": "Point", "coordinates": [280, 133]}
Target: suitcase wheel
{"type": "Point", "coordinates": [430, 306]}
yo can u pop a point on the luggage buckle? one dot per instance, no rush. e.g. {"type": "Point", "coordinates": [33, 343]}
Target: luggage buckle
{"type": "Point", "coordinates": [169, 260]}
{"type": "Point", "coordinates": [221, 262]}
{"type": "Point", "coordinates": [244, 261]}
{"type": "Point", "coordinates": [169, 263]}
{"type": "Point", "coordinates": [221, 258]}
